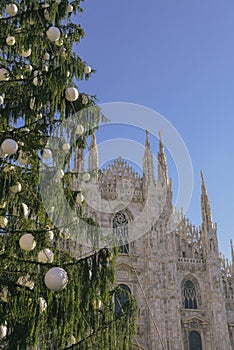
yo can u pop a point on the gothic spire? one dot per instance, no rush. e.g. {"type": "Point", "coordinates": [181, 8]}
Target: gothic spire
{"type": "Point", "coordinates": [93, 155]}
{"type": "Point", "coordinates": [205, 207]}
{"type": "Point", "coordinates": [148, 165]}
{"type": "Point", "coordinates": [232, 256]}
{"type": "Point", "coordinates": [162, 163]}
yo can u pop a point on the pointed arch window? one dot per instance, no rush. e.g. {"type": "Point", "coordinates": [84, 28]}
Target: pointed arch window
{"type": "Point", "coordinates": [190, 295]}
{"type": "Point", "coordinates": [120, 231]}
{"type": "Point", "coordinates": [195, 341]}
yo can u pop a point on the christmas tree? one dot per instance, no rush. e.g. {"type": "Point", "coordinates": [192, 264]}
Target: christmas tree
{"type": "Point", "coordinates": [53, 293]}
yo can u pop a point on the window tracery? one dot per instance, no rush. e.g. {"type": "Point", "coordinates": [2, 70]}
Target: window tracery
{"type": "Point", "coordinates": [120, 231]}
{"type": "Point", "coordinates": [190, 295]}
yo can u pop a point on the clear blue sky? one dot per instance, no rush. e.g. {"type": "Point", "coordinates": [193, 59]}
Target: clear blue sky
{"type": "Point", "coordinates": [176, 57]}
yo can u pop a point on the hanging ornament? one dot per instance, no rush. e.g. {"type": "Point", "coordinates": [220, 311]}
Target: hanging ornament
{"type": "Point", "coordinates": [71, 94]}
{"type": "Point", "coordinates": [37, 81]}
{"type": "Point", "coordinates": [50, 235]}
{"type": "Point", "coordinates": [3, 222]}
{"type": "Point", "coordinates": [56, 279]}
{"type": "Point", "coordinates": [25, 281]}
{"type": "Point", "coordinates": [59, 174]}
{"type": "Point", "coordinates": [45, 68]}
{"type": "Point", "coordinates": [22, 159]}
{"type": "Point", "coordinates": [64, 233]}
{"type": "Point", "coordinates": [26, 53]}
{"type": "Point", "coordinates": [19, 76]}
{"type": "Point", "coordinates": [66, 147]}
{"type": "Point", "coordinates": [79, 198]}
{"type": "Point", "coordinates": [31, 21]}
{"type": "Point", "coordinates": [47, 153]}
{"type": "Point", "coordinates": [87, 69]}
{"type": "Point", "coordinates": [47, 14]}
{"type": "Point", "coordinates": [45, 5]}
{"type": "Point", "coordinates": [3, 330]}
{"type": "Point", "coordinates": [42, 304]}
{"type": "Point", "coordinates": [58, 1]}
{"type": "Point", "coordinates": [29, 67]}
{"type": "Point", "coordinates": [25, 210]}
{"type": "Point", "coordinates": [59, 42]}
{"type": "Point", "coordinates": [53, 33]}
{"type": "Point", "coordinates": [9, 146]}
{"type": "Point", "coordinates": [86, 177]}
{"type": "Point", "coordinates": [46, 56]}
{"type": "Point", "coordinates": [4, 294]}
{"type": "Point", "coordinates": [16, 188]}
{"type": "Point", "coordinates": [4, 74]}
{"type": "Point", "coordinates": [63, 53]}
{"type": "Point", "coordinates": [3, 205]}
{"type": "Point", "coordinates": [8, 168]}
{"type": "Point", "coordinates": [11, 9]}
{"type": "Point", "coordinates": [69, 8]}
{"type": "Point", "coordinates": [1, 100]}
{"type": "Point", "coordinates": [72, 340]}
{"type": "Point", "coordinates": [10, 40]}
{"type": "Point", "coordinates": [85, 99]}
{"type": "Point", "coordinates": [27, 242]}
{"type": "Point", "coordinates": [45, 256]}
{"type": "Point", "coordinates": [90, 274]}
{"type": "Point", "coordinates": [79, 129]}
{"type": "Point", "coordinates": [97, 304]}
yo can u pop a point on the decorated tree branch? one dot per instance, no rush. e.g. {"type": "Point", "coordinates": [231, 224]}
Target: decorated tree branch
{"type": "Point", "coordinates": [52, 294]}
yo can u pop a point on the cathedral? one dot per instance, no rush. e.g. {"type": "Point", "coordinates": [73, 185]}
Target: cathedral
{"type": "Point", "coordinates": [183, 286]}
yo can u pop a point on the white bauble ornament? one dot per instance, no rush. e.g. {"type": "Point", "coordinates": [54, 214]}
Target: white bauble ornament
{"type": "Point", "coordinates": [3, 330]}
{"type": "Point", "coordinates": [56, 279]}
{"type": "Point", "coordinates": [86, 177]}
{"type": "Point", "coordinates": [10, 40]}
{"type": "Point", "coordinates": [45, 68]}
{"type": "Point", "coordinates": [8, 168]}
{"type": "Point", "coordinates": [36, 73]}
{"type": "Point", "coordinates": [4, 295]}
{"type": "Point", "coordinates": [59, 42]}
{"type": "Point", "coordinates": [37, 81]}
{"type": "Point", "coordinates": [47, 153]}
{"type": "Point", "coordinates": [45, 5]}
{"type": "Point", "coordinates": [9, 146]}
{"type": "Point", "coordinates": [53, 33]}
{"type": "Point", "coordinates": [69, 8]}
{"type": "Point", "coordinates": [47, 14]}
{"type": "Point", "coordinates": [72, 340]}
{"type": "Point", "coordinates": [59, 174]}
{"type": "Point", "coordinates": [16, 188]}
{"type": "Point", "coordinates": [31, 21]}
{"type": "Point", "coordinates": [19, 76]}
{"type": "Point", "coordinates": [11, 9]}
{"type": "Point", "coordinates": [71, 94]}
{"type": "Point", "coordinates": [22, 159]}
{"type": "Point", "coordinates": [27, 242]}
{"type": "Point", "coordinates": [3, 221]}
{"type": "Point", "coordinates": [26, 53]}
{"type": "Point", "coordinates": [87, 69]}
{"type": "Point", "coordinates": [25, 210]}
{"type": "Point", "coordinates": [42, 304]}
{"type": "Point", "coordinates": [45, 256]}
{"type": "Point", "coordinates": [1, 99]}
{"type": "Point", "coordinates": [25, 281]}
{"type": "Point", "coordinates": [29, 67]}
{"type": "Point", "coordinates": [66, 147]}
{"type": "Point", "coordinates": [3, 205]}
{"type": "Point", "coordinates": [79, 198]}
{"type": "Point", "coordinates": [46, 56]}
{"type": "Point", "coordinates": [50, 235]}
{"type": "Point", "coordinates": [64, 233]}
{"type": "Point", "coordinates": [4, 74]}
{"type": "Point", "coordinates": [85, 100]}
{"type": "Point", "coordinates": [79, 129]}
